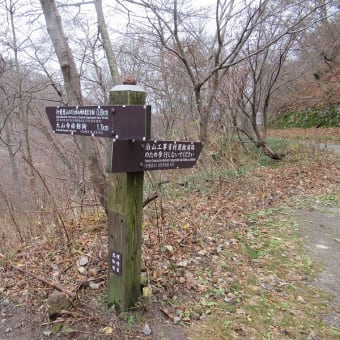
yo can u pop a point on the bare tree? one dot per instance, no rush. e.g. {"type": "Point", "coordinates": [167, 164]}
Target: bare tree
{"type": "Point", "coordinates": [314, 64]}
{"type": "Point", "coordinates": [253, 88]}
{"type": "Point", "coordinates": [102, 28]}
{"type": "Point", "coordinates": [319, 54]}
{"type": "Point", "coordinates": [87, 146]}
{"type": "Point", "coordinates": [169, 88]}
{"type": "Point", "coordinates": [19, 91]}
{"type": "Point", "coordinates": [6, 125]}
{"type": "Point", "coordinates": [181, 31]}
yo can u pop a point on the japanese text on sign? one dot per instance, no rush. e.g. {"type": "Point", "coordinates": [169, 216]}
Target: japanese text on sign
{"type": "Point", "coordinates": [132, 156]}
{"type": "Point", "coordinates": [119, 121]}
{"type": "Point", "coordinates": [85, 120]}
{"type": "Point", "coordinates": [116, 262]}
{"type": "Point", "coordinates": [164, 154]}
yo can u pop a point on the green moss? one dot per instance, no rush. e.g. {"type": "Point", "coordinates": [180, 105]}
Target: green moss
{"type": "Point", "coordinates": [308, 118]}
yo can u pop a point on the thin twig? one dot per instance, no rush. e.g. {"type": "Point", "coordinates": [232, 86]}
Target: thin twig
{"type": "Point", "coordinates": [151, 198]}
{"type": "Point", "coordinates": [47, 282]}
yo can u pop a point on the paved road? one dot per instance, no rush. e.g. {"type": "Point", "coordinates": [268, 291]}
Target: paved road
{"type": "Point", "coordinates": [325, 146]}
{"type": "Point", "coordinates": [321, 235]}
{"type": "Point", "coordinates": [321, 228]}
{"type": "Point", "coordinates": [331, 147]}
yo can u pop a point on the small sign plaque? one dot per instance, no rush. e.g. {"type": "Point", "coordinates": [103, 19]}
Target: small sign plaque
{"type": "Point", "coordinates": [116, 262]}
{"type": "Point", "coordinates": [133, 156]}
{"type": "Point", "coordinates": [121, 122]}
{"type": "Point", "coordinates": [81, 120]}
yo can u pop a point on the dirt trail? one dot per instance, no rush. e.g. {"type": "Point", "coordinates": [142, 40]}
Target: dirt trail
{"type": "Point", "coordinates": [321, 233]}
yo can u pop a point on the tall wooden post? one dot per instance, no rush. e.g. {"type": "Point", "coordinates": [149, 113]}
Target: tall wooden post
{"type": "Point", "coordinates": [125, 207]}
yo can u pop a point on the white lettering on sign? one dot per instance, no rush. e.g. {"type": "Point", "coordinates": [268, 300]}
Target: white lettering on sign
{"type": "Point", "coordinates": [86, 120]}
{"type": "Point", "coordinates": [116, 262]}
{"type": "Point", "coordinates": [159, 155]}
{"type": "Point", "coordinates": [80, 111]}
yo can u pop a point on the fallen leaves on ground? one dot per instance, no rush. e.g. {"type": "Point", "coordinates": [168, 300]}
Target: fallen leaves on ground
{"type": "Point", "coordinates": [192, 254]}
{"type": "Point", "coordinates": [193, 250]}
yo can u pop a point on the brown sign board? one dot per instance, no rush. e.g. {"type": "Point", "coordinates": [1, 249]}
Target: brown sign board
{"type": "Point", "coordinates": [123, 122]}
{"type": "Point", "coordinates": [134, 156]}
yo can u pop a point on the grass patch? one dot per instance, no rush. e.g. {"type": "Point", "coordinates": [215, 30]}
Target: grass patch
{"type": "Point", "coordinates": [273, 300]}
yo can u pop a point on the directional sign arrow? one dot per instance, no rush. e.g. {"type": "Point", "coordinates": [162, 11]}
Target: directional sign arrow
{"type": "Point", "coordinates": [134, 156]}
{"type": "Point", "coordinates": [123, 122]}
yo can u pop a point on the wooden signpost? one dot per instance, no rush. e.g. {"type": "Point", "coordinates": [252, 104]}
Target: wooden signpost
{"type": "Point", "coordinates": [127, 123]}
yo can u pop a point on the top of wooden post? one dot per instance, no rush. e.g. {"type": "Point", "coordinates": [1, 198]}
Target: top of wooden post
{"type": "Point", "coordinates": [129, 84]}
{"type": "Point", "coordinates": [129, 93]}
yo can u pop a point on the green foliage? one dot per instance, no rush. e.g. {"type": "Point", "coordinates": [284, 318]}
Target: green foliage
{"type": "Point", "coordinates": [57, 327]}
{"type": "Point", "coordinates": [128, 317]}
{"type": "Point", "coordinates": [331, 200]}
{"type": "Point", "coordinates": [308, 118]}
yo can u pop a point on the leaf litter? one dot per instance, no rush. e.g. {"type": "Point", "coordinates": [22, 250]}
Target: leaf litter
{"type": "Point", "coordinates": [198, 253]}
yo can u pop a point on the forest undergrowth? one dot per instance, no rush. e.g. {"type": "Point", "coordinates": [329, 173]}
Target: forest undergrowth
{"type": "Point", "coordinates": [221, 256]}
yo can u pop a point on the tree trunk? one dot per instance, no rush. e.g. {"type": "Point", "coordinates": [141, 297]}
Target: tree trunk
{"type": "Point", "coordinates": [102, 28]}
{"type": "Point", "coordinates": [63, 52]}
{"type": "Point", "coordinates": [22, 110]}
{"type": "Point", "coordinates": [74, 95]}
{"type": "Point", "coordinates": [277, 156]}
{"type": "Point", "coordinates": [14, 168]}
